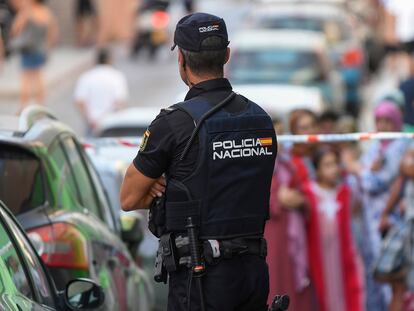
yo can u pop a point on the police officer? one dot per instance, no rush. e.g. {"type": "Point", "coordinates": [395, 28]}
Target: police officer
{"type": "Point", "coordinates": [220, 177]}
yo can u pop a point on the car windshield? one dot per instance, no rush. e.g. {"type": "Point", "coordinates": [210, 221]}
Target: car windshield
{"type": "Point", "coordinates": [282, 66]}
{"type": "Point", "coordinates": [335, 30]}
{"type": "Point", "coordinates": [21, 186]}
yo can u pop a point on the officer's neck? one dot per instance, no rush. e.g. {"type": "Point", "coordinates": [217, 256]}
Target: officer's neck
{"type": "Point", "coordinates": [193, 79]}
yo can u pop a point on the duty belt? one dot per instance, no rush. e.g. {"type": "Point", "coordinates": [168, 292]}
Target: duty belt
{"type": "Point", "coordinates": [215, 250]}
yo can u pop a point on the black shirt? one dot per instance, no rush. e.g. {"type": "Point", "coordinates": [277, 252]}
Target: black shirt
{"type": "Point", "coordinates": [170, 131]}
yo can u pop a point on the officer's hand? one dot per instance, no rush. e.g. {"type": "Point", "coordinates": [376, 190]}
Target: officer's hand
{"type": "Point", "coordinates": [158, 189]}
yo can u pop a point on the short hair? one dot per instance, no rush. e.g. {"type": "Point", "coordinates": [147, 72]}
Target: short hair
{"type": "Point", "coordinates": [320, 152]}
{"type": "Point", "coordinates": [297, 114]}
{"type": "Point", "coordinates": [103, 57]}
{"type": "Point", "coordinates": [208, 61]}
{"type": "Point", "coordinates": [328, 115]}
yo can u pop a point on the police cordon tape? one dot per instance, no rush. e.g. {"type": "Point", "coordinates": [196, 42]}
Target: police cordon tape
{"type": "Point", "coordinates": [317, 138]}
{"type": "Point", "coordinates": [349, 137]}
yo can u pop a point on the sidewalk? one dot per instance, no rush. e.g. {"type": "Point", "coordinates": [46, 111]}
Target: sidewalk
{"type": "Point", "coordinates": [64, 64]}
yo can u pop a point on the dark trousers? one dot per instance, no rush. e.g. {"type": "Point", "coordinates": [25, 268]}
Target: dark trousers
{"type": "Point", "coordinates": [237, 284]}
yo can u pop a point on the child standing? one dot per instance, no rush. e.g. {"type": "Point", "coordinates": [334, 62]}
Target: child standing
{"type": "Point", "coordinates": [332, 256]}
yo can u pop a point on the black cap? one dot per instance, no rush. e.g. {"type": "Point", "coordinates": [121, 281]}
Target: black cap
{"type": "Point", "coordinates": [192, 29]}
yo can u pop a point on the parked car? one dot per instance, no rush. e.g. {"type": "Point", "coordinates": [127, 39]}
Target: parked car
{"type": "Point", "coordinates": [285, 57]}
{"type": "Point", "coordinates": [338, 25]}
{"type": "Point", "coordinates": [62, 205]}
{"type": "Point", "coordinates": [25, 284]}
{"type": "Point", "coordinates": [127, 122]}
{"type": "Point", "coordinates": [112, 174]}
{"type": "Point", "coordinates": [111, 156]}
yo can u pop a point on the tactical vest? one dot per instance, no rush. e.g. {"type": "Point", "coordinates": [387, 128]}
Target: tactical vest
{"type": "Point", "coordinates": [228, 191]}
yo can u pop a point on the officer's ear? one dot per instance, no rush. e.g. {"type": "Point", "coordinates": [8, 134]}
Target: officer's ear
{"type": "Point", "coordinates": [181, 59]}
{"type": "Point", "coordinates": [226, 59]}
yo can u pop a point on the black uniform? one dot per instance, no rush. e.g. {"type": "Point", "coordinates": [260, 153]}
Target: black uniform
{"type": "Point", "coordinates": [223, 184]}
{"type": "Point", "coordinates": [170, 131]}
{"type": "Point", "coordinates": [231, 280]}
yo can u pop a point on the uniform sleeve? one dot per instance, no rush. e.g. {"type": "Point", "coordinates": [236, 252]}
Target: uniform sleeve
{"type": "Point", "coordinates": [156, 150]}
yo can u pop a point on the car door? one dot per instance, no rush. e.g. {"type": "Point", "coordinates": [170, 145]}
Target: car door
{"type": "Point", "coordinates": [21, 288]}
{"type": "Point", "coordinates": [134, 284]}
{"type": "Point", "coordinates": [109, 252]}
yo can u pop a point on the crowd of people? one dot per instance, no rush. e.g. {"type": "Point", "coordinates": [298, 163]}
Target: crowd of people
{"type": "Point", "coordinates": [334, 209]}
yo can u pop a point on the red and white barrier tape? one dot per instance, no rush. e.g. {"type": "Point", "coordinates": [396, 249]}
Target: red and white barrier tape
{"type": "Point", "coordinates": [322, 138]}
{"type": "Point", "coordinates": [330, 138]}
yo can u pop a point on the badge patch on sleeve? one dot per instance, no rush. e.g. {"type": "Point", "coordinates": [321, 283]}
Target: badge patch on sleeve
{"type": "Point", "coordinates": [144, 140]}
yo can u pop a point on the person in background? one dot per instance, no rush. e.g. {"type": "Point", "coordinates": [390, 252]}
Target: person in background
{"type": "Point", "coordinates": [332, 255]}
{"type": "Point", "coordinates": [327, 122]}
{"type": "Point", "coordinates": [85, 20]}
{"type": "Point", "coordinates": [285, 229]}
{"type": "Point", "coordinates": [399, 33]}
{"type": "Point", "coordinates": [407, 89]}
{"type": "Point", "coordinates": [35, 31]}
{"type": "Point", "coordinates": [100, 91]}
{"type": "Point", "coordinates": [2, 52]}
{"type": "Point", "coordinates": [189, 6]}
{"type": "Point", "coordinates": [376, 170]}
{"type": "Point", "coordinates": [401, 201]}
{"type": "Point", "coordinates": [115, 20]}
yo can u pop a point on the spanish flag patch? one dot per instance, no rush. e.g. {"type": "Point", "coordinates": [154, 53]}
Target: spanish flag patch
{"type": "Point", "coordinates": [267, 141]}
{"type": "Point", "coordinates": [144, 140]}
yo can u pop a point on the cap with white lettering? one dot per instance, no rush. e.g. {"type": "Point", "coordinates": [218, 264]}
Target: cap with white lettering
{"type": "Point", "coordinates": [192, 29]}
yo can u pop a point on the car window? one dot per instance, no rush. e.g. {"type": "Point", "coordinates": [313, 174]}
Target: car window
{"type": "Point", "coordinates": [87, 193]}
{"type": "Point", "coordinates": [103, 199]}
{"type": "Point", "coordinates": [20, 170]}
{"type": "Point", "coordinates": [335, 29]}
{"type": "Point", "coordinates": [275, 65]}
{"type": "Point", "coordinates": [35, 268]}
{"type": "Point", "coordinates": [67, 189]}
{"type": "Point", "coordinates": [14, 279]}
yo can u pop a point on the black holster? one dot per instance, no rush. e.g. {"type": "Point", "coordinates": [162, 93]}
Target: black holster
{"type": "Point", "coordinates": [166, 260]}
{"type": "Point", "coordinates": [156, 217]}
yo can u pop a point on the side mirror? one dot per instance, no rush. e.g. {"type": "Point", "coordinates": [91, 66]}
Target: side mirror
{"type": "Point", "coordinates": [132, 231]}
{"type": "Point", "coordinates": [83, 294]}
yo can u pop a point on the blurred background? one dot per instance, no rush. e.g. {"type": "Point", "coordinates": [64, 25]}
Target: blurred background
{"type": "Point", "coordinates": [104, 67]}
{"type": "Point", "coordinates": [345, 43]}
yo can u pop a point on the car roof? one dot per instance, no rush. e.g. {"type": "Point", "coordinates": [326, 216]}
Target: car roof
{"type": "Point", "coordinates": [279, 100]}
{"type": "Point", "coordinates": [299, 9]}
{"type": "Point", "coordinates": [264, 39]}
{"type": "Point", "coordinates": [36, 127]}
{"type": "Point", "coordinates": [136, 116]}
{"type": "Point", "coordinates": [302, 2]}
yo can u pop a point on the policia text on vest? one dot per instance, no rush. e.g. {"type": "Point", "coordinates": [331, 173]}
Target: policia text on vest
{"type": "Point", "coordinates": [250, 147]}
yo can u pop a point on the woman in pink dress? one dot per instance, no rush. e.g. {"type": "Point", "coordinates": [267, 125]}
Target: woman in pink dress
{"type": "Point", "coordinates": [332, 255]}
{"type": "Point", "coordinates": [285, 231]}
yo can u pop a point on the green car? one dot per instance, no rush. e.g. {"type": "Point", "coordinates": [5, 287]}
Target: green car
{"type": "Point", "coordinates": [49, 184]}
{"type": "Point", "coordinates": [24, 282]}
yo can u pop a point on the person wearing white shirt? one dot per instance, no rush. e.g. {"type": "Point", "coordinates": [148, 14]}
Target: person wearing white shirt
{"type": "Point", "coordinates": [100, 91]}
{"type": "Point", "coordinates": [403, 13]}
